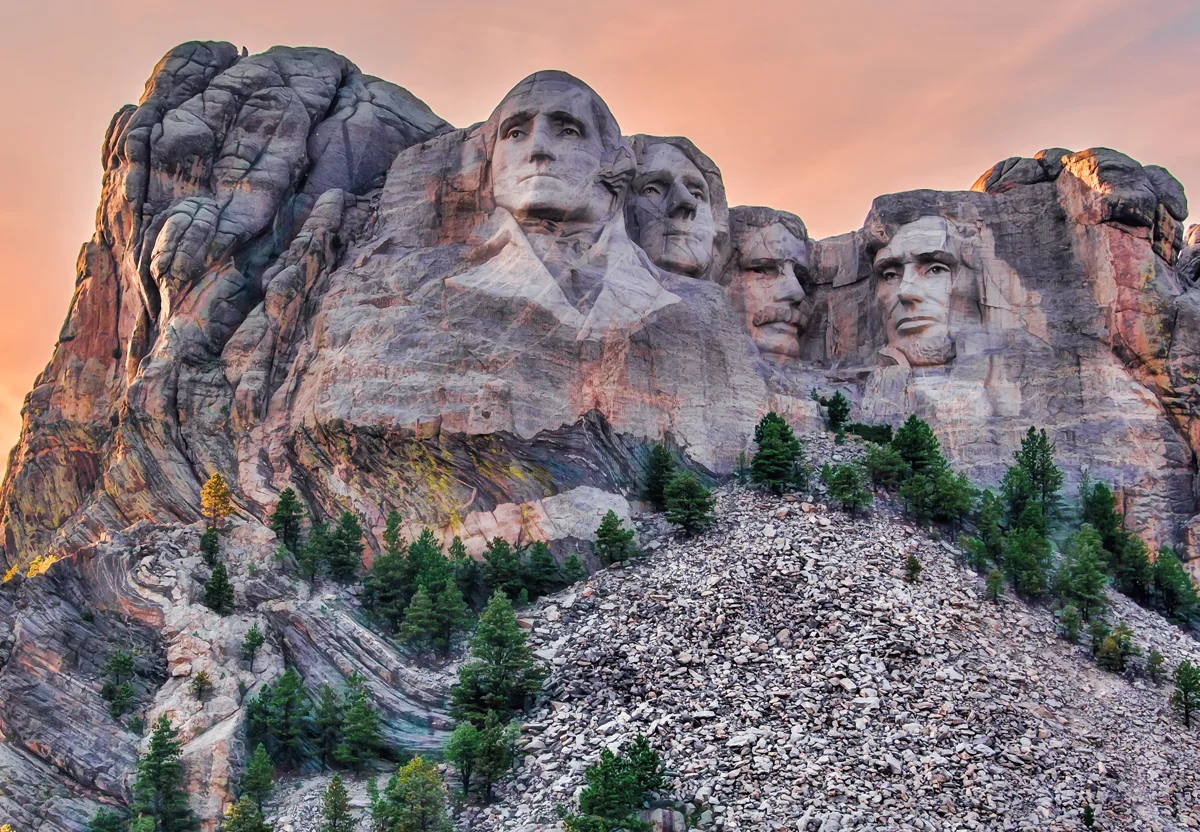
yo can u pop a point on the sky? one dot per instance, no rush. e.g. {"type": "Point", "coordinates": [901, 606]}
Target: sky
{"type": "Point", "coordinates": [812, 107]}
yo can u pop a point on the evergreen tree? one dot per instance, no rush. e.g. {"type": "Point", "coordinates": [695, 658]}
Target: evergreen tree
{"type": "Point", "coordinates": [1027, 559]}
{"type": "Point", "coordinates": [493, 760]}
{"type": "Point", "coordinates": [779, 454]}
{"type": "Point", "coordinates": [259, 779]}
{"type": "Point", "coordinates": [314, 554]}
{"type": "Point", "coordinates": [1133, 573]}
{"type": "Point", "coordinates": [361, 736]}
{"type": "Point", "coordinates": [279, 718]}
{"type": "Point", "coordinates": [387, 589]}
{"type": "Point", "coordinates": [541, 570]}
{"type": "Point", "coordinates": [462, 751]}
{"type": "Point", "coordinates": [995, 586]}
{"type": "Point", "coordinates": [1174, 591]}
{"type": "Point", "coordinates": [1154, 666]}
{"type": "Point", "coordinates": [328, 724]}
{"type": "Point", "coordinates": [335, 808]}
{"type": "Point", "coordinates": [251, 643]}
{"type": "Point", "coordinates": [414, 800]}
{"type": "Point", "coordinates": [1022, 510]}
{"type": "Point", "coordinates": [988, 548]}
{"type": "Point", "coordinates": [1069, 623]}
{"type": "Point", "coordinates": [210, 546]}
{"type": "Point", "coordinates": [1187, 690]}
{"type": "Point", "coordinates": [838, 410]}
{"type": "Point", "coordinates": [285, 520]}
{"type": "Point", "coordinates": [918, 447]}
{"type": "Point", "coordinates": [503, 672]}
{"type": "Point", "coordinates": [159, 791]}
{"type": "Point", "coordinates": [1098, 631]}
{"type": "Point", "coordinates": [617, 786]}
{"type": "Point", "coordinates": [1083, 572]}
{"type": "Point", "coordinates": [573, 571]}
{"type": "Point", "coordinates": [103, 821]}
{"type": "Point", "coordinates": [846, 487]}
{"type": "Point", "coordinates": [614, 543]}
{"type": "Point", "coordinates": [912, 569]}
{"type": "Point", "coordinates": [1097, 508]}
{"type": "Point", "coordinates": [1109, 655]}
{"type": "Point", "coordinates": [468, 574]}
{"type": "Point", "coordinates": [218, 591]}
{"type": "Point", "coordinates": [452, 616]}
{"type": "Point", "coordinates": [503, 568]}
{"type": "Point", "coordinates": [662, 468]}
{"type": "Point", "coordinates": [244, 816]}
{"type": "Point", "coordinates": [885, 466]}
{"type": "Point", "coordinates": [117, 690]}
{"type": "Point", "coordinates": [393, 540]}
{"type": "Point", "coordinates": [1036, 458]}
{"type": "Point", "coordinates": [201, 684]}
{"type": "Point", "coordinates": [216, 501]}
{"type": "Point", "coordinates": [345, 549]}
{"type": "Point", "coordinates": [689, 503]}
{"type": "Point", "coordinates": [420, 622]}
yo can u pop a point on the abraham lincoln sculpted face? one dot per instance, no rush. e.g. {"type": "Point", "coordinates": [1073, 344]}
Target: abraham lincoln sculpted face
{"type": "Point", "coordinates": [550, 152]}
{"type": "Point", "coordinates": [915, 272]}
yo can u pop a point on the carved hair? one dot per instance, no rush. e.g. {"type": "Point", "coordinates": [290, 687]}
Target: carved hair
{"type": "Point", "coordinates": [746, 218]}
{"type": "Point", "coordinates": [641, 144]}
{"type": "Point", "coordinates": [616, 164]}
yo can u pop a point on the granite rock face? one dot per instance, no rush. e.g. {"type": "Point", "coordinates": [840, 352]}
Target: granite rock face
{"type": "Point", "coordinates": [302, 277]}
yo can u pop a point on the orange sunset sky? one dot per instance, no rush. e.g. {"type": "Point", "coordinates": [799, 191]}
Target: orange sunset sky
{"type": "Point", "coordinates": [811, 107]}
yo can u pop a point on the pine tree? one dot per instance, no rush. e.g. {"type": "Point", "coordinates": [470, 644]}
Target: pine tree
{"type": "Point", "coordinates": [838, 410]}
{"type": "Point", "coordinates": [388, 589]}
{"type": "Point", "coordinates": [1174, 591]}
{"type": "Point", "coordinates": [218, 591]}
{"type": "Point", "coordinates": [468, 574]}
{"type": "Point", "coordinates": [314, 554]}
{"type": "Point", "coordinates": [617, 786]}
{"type": "Point", "coordinates": [210, 546]}
{"type": "Point", "coordinates": [503, 569]}
{"type": "Point", "coordinates": [393, 541]}
{"type": "Point", "coordinates": [1187, 690]}
{"type": "Point", "coordinates": [1133, 573]}
{"type": "Point", "coordinates": [1020, 504]}
{"type": "Point", "coordinates": [1109, 655]}
{"type": "Point", "coordinates": [159, 790]}
{"type": "Point", "coordinates": [251, 643]}
{"type": "Point", "coordinates": [573, 571]}
{"type": "Point", "coordinates": [1154, 666]}
{"type": "Point", "coordinates": [285, 520]}
{"type": "Point", "coordinates": [1098, 631]}
{"type": "Point", "coordinates": [614, 543]}
{"type": "Point", "coordinates": [328, 724]}
{"type": "Point", "coordinates": [885, 466]}
{"type": "Point", "coordinates": [216, 501]}
{"type": "Point", "coordinates": [1027, 560]}
{"type": "Point", "coordinates": [846, 487]}
{"type": "Point", "coordinates": [201, 684]}
{"type": "Point", "coordinates": [414, 800]}
{"type": "Point", "coordinates": [1098, 509]}
{"type": "Point", "coordinates": [462, 751]}
{"type": "Point", "coordinates": [360, 737]}
{"type": "Point", "coordinates": [345, 549]}
{"type": "Point", "coordinates": [662, 468]}
{"type": "Point", "coordinates": [541, 570]}
{"type": "Point", "coordinates": [1069, 623]}
{"type": "Point", "coordinates": [918, 447]}
{"type": "Point", "coordinates": [1036, 458]}
{"type": "Point", "coordinates": [103, 821]}
{"type": "Point", "coordinates": [1084, 572]}
{"type": "Point", "coordinates": [420, 622]}
{"type": "Point", "coordinates": [335, 809]}
{"type": "Point", "coordinates": [775, 463]}
{"type": "Point", "coordinates": [452, 616]}
{"type": "Point", "coordinates": [244, 816]}
{"type": "Point", "coordinates": [259, 779]}
{"type": "Point", "coordinates": [912, 569]}
{"type": "Point", "coordinates": [287, 720]}
{"type": "Point", "coordinates": [503, 672]}
{"type": "Point", "coordinates": [995, 586]}
{"type": "Point", "coordinates": [492, 760]}
{"type": "Point", "coordinates": [689, 503]}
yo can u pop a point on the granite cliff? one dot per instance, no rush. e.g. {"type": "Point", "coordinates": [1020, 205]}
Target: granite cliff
{"type": "Point", "coordinates": [302, 277]}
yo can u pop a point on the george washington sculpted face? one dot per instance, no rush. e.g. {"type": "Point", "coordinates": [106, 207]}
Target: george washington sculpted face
{"type": "Point", "coordinates": [915, 272]}
{"type": "Point", "coordinates": [550, 150]}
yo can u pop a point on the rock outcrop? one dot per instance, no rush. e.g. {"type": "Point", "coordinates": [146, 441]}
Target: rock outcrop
{"type": "Point", "coordinates": [302, 277]}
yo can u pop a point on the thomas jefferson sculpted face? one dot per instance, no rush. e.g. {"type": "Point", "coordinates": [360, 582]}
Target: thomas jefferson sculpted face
{"type": "Point", "coordinates": [915, 272]}
{"type": "Point", "coordinates": [769, 264]}
{"type": "Point", "coordinates": [673, 209]}
{"type": "Point", "coordinates": [550, 150]}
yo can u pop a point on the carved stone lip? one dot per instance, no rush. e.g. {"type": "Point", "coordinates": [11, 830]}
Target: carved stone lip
{"type": "Point", "coordinates": [540, 175]}
{"type": "Point", "coordinates": [911, 322]}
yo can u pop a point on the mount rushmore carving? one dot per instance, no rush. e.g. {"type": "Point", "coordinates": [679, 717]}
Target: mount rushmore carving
{"type": "Point", "coordinates": [303, 277]}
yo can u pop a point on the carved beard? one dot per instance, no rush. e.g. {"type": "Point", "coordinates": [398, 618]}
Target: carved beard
{"type": "Point", "coordinates": [928, 352]}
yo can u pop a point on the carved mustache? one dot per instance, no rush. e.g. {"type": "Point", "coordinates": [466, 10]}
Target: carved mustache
{"type": "Point", "coordinates": [778, 314]}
